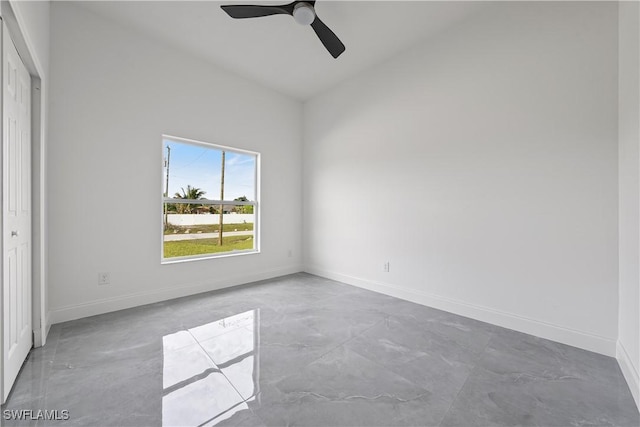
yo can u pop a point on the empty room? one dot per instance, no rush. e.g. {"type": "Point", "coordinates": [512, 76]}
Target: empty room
{"type": "Point", "coordinates": [320, 213]}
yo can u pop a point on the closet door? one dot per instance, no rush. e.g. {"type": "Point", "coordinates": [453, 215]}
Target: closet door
{"type": "Point", "coordinates": [16, 213]}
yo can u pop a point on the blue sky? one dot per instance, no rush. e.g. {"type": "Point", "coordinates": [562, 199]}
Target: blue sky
{"type": "Point", "coordinates": [200, 166]}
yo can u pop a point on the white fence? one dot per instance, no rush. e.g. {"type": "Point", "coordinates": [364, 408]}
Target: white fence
{"type": "Point", "coordinates": [208, 219]}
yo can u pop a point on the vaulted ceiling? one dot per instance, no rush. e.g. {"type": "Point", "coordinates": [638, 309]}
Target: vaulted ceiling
{"type": "Point", "coordinates": [277, 52]}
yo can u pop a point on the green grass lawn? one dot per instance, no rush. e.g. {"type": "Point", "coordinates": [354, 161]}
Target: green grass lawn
{"type": "Point", "coordinates": [206, 246]}
{"type": "Point", "coordinates": [213, 228]}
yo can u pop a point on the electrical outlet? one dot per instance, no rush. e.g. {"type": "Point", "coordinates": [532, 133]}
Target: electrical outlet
{"type": "Point", "coordinates": [103, 279]}
{"type": "Point", "coordinates": [290, 253]}
{"type": "Point", "coordinates": [385, 267]}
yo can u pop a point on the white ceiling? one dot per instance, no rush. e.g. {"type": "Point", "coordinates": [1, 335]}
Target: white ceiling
{"type": "Point", "coordinates": [277, 52]}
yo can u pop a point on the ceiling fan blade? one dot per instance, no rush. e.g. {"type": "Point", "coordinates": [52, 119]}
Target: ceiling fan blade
{"type": "Point", "coordinates": [240, 11]}
{"type": "Point", "coordinates": [328, 38]}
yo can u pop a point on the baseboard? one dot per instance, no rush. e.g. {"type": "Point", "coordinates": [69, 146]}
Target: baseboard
{"type": "Point", "coordinates": [92, 308]}
{"type": "Point", "coordinates": [513, 321]}
{"type": "Point", "coordinates": [40, 334]}
{"type": "Point", "coordinates": [37, 338]}
{"type": "Point", "coordinates": [47, 328]}
{"type": "Point", "coordinates": [629, 371]}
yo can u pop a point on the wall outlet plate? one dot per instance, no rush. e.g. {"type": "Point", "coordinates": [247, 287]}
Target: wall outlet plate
{"type": "Point", "coordinates": [103, 279]}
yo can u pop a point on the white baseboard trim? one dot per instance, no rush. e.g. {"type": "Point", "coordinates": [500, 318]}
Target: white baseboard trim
{"type": "Point", "coordinates": [629, 371]}
{"type": "Point", "coordinates": [575, 338]}
{"type": "Point", "coordinates": [40, 334]}
{"type": "Point", "coordinates": [92, 308]}
{"type": "Point", "coordinates": [47, 328]}
{"type": "Point", "coordinates": [37, 338]}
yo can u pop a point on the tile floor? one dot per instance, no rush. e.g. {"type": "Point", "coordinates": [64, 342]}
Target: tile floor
{"type": "Point", "coordinates": [302, 350]}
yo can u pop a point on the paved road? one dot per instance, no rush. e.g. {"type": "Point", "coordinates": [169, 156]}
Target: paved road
{"type": "Point", "coordinates": [196, 236]}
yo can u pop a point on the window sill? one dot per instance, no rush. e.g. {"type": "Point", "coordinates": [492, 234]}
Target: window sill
{"type": "Point", "coordinates": [178, 260]}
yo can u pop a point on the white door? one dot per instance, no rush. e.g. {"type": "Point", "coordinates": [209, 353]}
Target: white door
{"type": "Point", "coordinates": [16, 213]}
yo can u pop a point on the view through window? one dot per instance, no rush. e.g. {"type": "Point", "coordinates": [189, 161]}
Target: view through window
{"type": "Point", "coordinates": [210, 205]}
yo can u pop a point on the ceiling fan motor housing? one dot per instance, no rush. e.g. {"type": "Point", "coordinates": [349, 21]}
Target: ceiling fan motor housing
{"type": "Point", "coordinates": [303, 13]}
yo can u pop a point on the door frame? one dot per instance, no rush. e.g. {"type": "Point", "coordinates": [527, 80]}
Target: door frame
{"type": "Point", "coordinates": [16, 26]}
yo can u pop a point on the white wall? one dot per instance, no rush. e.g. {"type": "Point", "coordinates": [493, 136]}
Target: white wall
{"type": "Point", "coordinates": [497, 139]}
{"type": "Point", "coordinates": [209, 219]}
{"type": "Point", "coordinates": [114, 93]}
{"type": "Point", "coordinates": [629, 171]}
{"type": "Point", "coordinates": [33, 16]}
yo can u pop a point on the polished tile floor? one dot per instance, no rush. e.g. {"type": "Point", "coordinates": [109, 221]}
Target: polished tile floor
{"type": "Point", "coordinates": [302, 350]}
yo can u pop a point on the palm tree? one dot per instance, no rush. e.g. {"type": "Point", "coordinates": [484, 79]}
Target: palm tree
{"type": "Point", "coordinates": [192, 193]}
{"type": "Point", "coordinates": [246, 209]}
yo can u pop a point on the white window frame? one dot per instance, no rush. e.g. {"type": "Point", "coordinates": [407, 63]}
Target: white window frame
{"type": "Point", "coordinates": [255, 203]}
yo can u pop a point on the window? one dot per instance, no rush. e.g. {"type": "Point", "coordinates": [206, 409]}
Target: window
{"type": "Point", "coordinates": [209, 201]}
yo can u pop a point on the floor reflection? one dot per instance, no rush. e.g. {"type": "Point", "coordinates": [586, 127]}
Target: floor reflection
{"type": "Point", "coordinates": [210, 372]}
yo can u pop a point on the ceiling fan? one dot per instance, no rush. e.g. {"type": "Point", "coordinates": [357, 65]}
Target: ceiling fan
{"type": "Point", "coordinates": [303, 12]}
